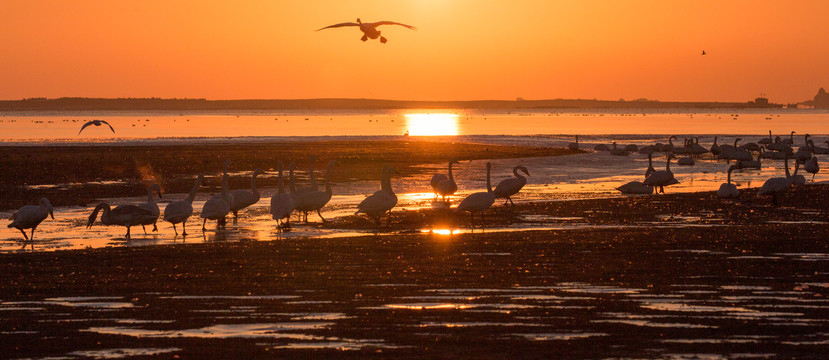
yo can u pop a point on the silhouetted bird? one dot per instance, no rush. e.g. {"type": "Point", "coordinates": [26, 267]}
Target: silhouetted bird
{"type": "Point", "coordinates": [369, 29]}
{"type": "Point", "coordinates": [96, 123]}
{"type": "Point", "coordinates": [703, 52]}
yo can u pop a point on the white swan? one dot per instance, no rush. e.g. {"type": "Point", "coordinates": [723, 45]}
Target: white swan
{"type": "Point", "coordinates": [179, 211]}
{"type": "Point", "coordinates": [574, 146]}
{"type": "Point", "coordinates": [282, 203]}
{"type": "Point", "coordinates": [669, 147]}
{"type": "Point", "coordinates": [650, 169]}
{"type": "Point", "coordinates": [217, 207]}
{"type": "Point", "coordinates": [778, 185]}
{"type": "Point", "coordinates": [445, 186]}
{"type": "Point", "coordinates": [479, 201]}
{"type": "Point", "coordinates": [766, 141]}
{"type": "Point", "coordinates": [152, 206]}
{"type": "Point", "coordinates": [509, 187]}
{"type": "Point", "coordinates": [803, 153]}
{"type": "Point", "coordinates": [96, 123]}
{"type": "Point", "coordinates": [812, 167]}
{"type": "Point", "coordinates": [635, 187]}
{"type": "Point", "coordinates": [382, 201]}
{"type": "Point", "coordinates": [315, 200]}
{"type": "Point", "coordinates": [30, 216]}
{"type": "Point", "coordinates": [789, 141]}
{"type": "Point", "coordinates": [618, 152]}
{"type": "Point", "coordinates": [662, 178]}
{"type": "Point", "coordinates": [727, 189]}
{"type": "Point", "coordinates": [369, 29]}
{"type": "Point", "coordinates": [123, 215]}
{"type": "Point", "coordinates": [715, 148]}
{"type": "Point", "coordinates": [243, 198]}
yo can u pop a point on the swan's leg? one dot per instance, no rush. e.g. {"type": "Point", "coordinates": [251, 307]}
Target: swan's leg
{"type": "Point", "coordinates": [364, 38]}
{"type": "Point", "coordinates": [174, 228]}
{"type": "Point", "coordinates": [318, 213]}
{"type": "Point", "coordinates": [235, 216]}
{"type": "Point", "coordinates": [32, 237]}
{"type": "Point", "coordinates": [510, 201]}
{"type": "Point", "coordinates": [383, 40]}
{"type": "Point", "coordinates": [128, 232]}
{"type": "Point", "coordinates": [155, 226]}
{"type": "Point", "coordinates": [203, 224]}
{"type": "Point", "coordinates": [183, 229]}
{"type": "Point", "coordinates": [145, 229]}
{"type": "Point", "coordinates": [24, 234]}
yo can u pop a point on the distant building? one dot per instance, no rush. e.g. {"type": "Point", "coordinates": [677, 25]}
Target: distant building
{"type": "Point", "coordinates": [821, 100]}
{"type": "Point", "coordinates": [761, 101]}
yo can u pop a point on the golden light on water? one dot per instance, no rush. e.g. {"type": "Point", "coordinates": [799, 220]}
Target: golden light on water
{"type": "Point", "coordinates": [442, 124]}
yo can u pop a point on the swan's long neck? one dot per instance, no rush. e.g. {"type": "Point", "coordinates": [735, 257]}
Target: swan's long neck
{"type": "Point", "coordinates": [192, 195]}
{"type": "Point", "coordinates": [770, 139]}
{"type": "Point", "coordinates": [225, 187]}
{"type": "Point", "coordinates": [253, 183]}
{"type": "Point", "coordinates": [729, 175]}
{"type": "Point", "coordinates": [735, 142]}
{"type": "Point", "coordinates": [150, 194]}
{"type": "Point", "coordinates": [791, 137]}
{"type": "Point", "coordinates": [104, 216]}
{"type": "Point", "coordinates": [291, 185]}
{"type": "Point", "coordinates": [650, 161]}
{"type": "Point", "coordinates": [577, 139]}
{"type": "Point", "coordinates": [516, 174]}
{"type": "Point", "coordinates": [312, 177]}
{"type": "Point", "coordinates": [715, 140]}
{"type": "Point", "coordinates": [280, 186]}
{"type": "Point", "coordinates": [451, 177]}
{"type": "Point", "coordinates": [385, 182]}
{"type": "Point", "coordinates": [668, 164]}
{"type": "Point", "coordinates": [488, 183]}
{"type": "Point", "coordinates": [786, 166]}
{"type": "Point", "coordinates": [328, 178]}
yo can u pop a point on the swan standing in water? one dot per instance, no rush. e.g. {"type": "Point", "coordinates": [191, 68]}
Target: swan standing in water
{"type": "Point", "coordinates": [369, 29]}
{"type": "Point", "coordinates": [123, 215]}
{"type": "Point", "coordinates": [662, 178]}
{"type": "Point", "coordinates": [812, 167]}
{"type": "Point", "coordinates": [179, 211]}
{"type": "Point", "coordinates": [30, 216]}
{"type": "Point", "coordinates": [243, 198]}
{"type": "Point", "coordinates": [509, 187]}
{"type": "Point", "coordinates": [315, 200]}
{"type": "Point", "coordinates": [282, 203]}
{"type": "Point", "coordinates": [445, 186]}
{"type": "Point", "coordinates": [479, 201]}
{"type": "Point", "coordinates": [574, 146]}
{"type": "Point", "coordinates": [151, 206]}
{"type": "Point", "coordinates": [727, 189]}
{"type": "Point", "coordinates": [778, 185]}
{"type": "Point", "coordinates": [797, 179]}
{"type": "Point", "coordinates": [217, 207]}
{"type": "Point", "coordinates": [382, 201]}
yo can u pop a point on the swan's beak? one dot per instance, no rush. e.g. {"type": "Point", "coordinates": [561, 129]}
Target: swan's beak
{"type": "Point", "coordinates": [159, 193]}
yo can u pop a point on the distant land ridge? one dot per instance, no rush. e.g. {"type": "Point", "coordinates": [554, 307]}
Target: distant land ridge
{"type": "Point", "coordinates": [78, 103]}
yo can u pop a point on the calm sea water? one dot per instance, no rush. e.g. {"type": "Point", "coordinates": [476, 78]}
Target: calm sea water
{"type": "Point", "coordinates": [589, 175]}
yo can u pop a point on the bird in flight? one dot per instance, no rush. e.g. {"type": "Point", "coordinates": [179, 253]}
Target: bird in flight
{"type": "Point", "coordinates": [703, 52]}
{"type": "Point", "coordinates": [369, 29]}
{"type": "Point", "coordinates": [96, 123]}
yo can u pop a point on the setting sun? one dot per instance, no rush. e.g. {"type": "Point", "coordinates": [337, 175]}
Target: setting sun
{"type": "Point", "coordinates": [432, 124]}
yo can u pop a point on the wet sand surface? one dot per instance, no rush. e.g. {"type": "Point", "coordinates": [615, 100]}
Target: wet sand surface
{"type": "Point", "coordinates": [672, 276]}
{"type": "Point", "coordinates": [76, 175]}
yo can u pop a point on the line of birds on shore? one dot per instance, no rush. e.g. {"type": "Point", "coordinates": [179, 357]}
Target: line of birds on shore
{"type": "Point", "coordinates": [744, 156]}
{"type": "Point", "coordinates": [299, 200]}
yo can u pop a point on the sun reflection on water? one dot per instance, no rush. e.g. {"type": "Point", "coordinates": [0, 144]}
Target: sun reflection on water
{"type": "Point", "coordinates": [440, 124]}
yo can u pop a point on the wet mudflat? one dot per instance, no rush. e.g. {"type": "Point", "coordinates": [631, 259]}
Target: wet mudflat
{"type": "Point", "coordinates": [743, 290]}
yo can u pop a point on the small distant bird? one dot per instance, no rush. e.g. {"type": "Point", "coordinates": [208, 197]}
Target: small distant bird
{"type": "Point", "coordinates": [96, 123]}
{"type": "Point", "coordinates": [703, 52]}
{"type": "Point", "coordinates": [369, 29]}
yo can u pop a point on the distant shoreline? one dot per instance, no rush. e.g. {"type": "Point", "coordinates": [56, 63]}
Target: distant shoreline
{"type": "Point", "coordinates": [155, 104]}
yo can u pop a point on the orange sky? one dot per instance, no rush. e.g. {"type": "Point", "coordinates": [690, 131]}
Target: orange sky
{"type": "Point", "coordinates": [464, 49]}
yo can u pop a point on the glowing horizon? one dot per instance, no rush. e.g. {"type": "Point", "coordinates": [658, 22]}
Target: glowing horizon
{"type": "Point", "coordinates": [534, 49]}
{"type": "Point", "coordinates": [440, 124]}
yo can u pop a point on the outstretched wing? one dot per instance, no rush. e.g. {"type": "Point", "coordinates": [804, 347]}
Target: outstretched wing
{"type": "Point", "coordinates": [339, 25]}
{"type": "Point", "coordinates": [84, 127]}
{"type": "Point", "coordinates": [110, 126]}
{"type": "Point", "coordinates": [393, 23]}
